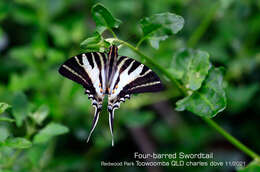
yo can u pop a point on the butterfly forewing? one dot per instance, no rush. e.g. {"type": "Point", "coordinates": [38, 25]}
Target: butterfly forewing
{"type": "Point", "coordinates": [88, 70]}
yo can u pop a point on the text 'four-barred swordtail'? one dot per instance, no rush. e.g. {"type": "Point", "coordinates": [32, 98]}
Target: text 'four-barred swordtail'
{"type": "Point", "coordinates": [109, 74]}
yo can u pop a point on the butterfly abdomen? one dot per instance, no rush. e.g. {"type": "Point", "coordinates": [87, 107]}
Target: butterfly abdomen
{"type": "Point", "coordinates": [111, 65]}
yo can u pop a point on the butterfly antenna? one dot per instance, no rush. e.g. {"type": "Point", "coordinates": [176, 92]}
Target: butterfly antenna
{"type": "Point", "coordinates": [95, 121]}
{"type": "Point", "coordinates": [111, 121]}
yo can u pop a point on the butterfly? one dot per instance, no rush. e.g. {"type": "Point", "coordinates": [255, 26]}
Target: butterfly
{"type": "Point", "coordinates": [109, 74]}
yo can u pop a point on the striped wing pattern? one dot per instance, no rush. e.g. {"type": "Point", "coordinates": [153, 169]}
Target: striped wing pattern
{"type": "Point", "coordinates": [102, 74]}
{"type": "Point", "coordinates": [89, 71]}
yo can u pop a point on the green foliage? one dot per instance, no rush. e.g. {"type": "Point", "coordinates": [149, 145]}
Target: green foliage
{"type": "Point", "coordinates": [4, 133]}
{"type": "Point", "coordinates": [38, 105]}
{"type": "Point", "coordinates": [159, 27]}
{"type": "Point", "coordinates": [209, 100]}
{"type": "Point", "coordinates": [103, 18]}
{"type": "Point", "coordinates": [40, 114]}
{"type": "Point", "coordinates": [236, 103]}
{"type": "Point", "coordinates": [18, 143]}
{"type": "Point", "coordinates": [6, 119]}
{"type": "Point", "coordinates": [49, 131]}
{"type": "Point", "coordinates": [191, 68]}
{"type": "Point", "coordinates": [10, 145]}
{"type": "Point", "coordinates": [252, 167]}
{"type": "Point", "coordinates": [94, 43]}
{"type": "Point", "coordinates": [20, 108]}
{"type": "Point", "coordinates": [3, 107]}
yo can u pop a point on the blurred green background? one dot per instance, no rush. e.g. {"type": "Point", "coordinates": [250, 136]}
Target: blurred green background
{"type": "Point", "coordinates": [37, 36]}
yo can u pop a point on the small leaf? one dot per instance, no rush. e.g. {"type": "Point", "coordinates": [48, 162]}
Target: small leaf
{"type": "Point", "coordinates": [6, 119]}
{"type": "Point", "coordinates": [252, 167]}
{"type": "Point", "coordinates": [54, 56]}
{"type": "Point", "coordinates": [18, 142]}
{"type": "Point", "coordinates": [20, 108]}
{"type": "Point", "coordinates": [191, 67]}
{"type": "Point", "coordinates": [160, 26]}
{"type": "Point", "coordinates": [24, 15]}
{"type": "Point", "coordinates": [3, 107]}
{"type": "Point", "coordinates": [209, 100]}
{"type": "Point", "coordinates": [49, 131]}
{"type": "Point", "coordinates": [4, 133]}
{"type": "Point", "coordinates": [21, 54]}
{"type": "Point", "coordinates": [103, 18]}
{"type": "Point", "coordinates": [40, 115]}
{"type": "Point", "coordinates": [94, 43]}
{"type": "Point", "coordinates": [60, 34]}
{"type": "Point", "coordinates": [36, 154]}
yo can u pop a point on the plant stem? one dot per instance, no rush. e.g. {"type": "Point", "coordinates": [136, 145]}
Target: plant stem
{"type": "Point", "coordinates": [112, 32]}
{"type": "Point", "coordinates": [232, 139]}
{"type": "Point", "coordinates": [140, 42]}
{"type": "Point", "coordinates": [196, 35]}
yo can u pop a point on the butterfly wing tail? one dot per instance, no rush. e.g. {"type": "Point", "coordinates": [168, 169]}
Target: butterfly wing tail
{"type": "Point", "coordinates": [95, 121]}
{"type": "Point", "coordinates": [111, 124]}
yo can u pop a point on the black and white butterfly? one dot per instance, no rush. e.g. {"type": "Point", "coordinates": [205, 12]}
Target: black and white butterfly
{"type": "Point", "coordinates": [109, 74]}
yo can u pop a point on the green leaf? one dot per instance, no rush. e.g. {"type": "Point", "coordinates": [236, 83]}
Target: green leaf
{"type": "Point", "coordinates": [54, 56]}
{"type": "Point", "coordinates": [94, 43]}
{"type": "Point", "coordinates": [49, 131]}
{"type": "Point", "coordinates": [40, 115]}
{"type": "Point", "coordinates": [36, 154]}
{"type": "Point", "coordinates": [191, 67]}
{"type": "Point", "coordinates": [18, 142]}
{"type": "Point", "coordinates": [4, 9]}
{"type": "Point", "coordinates": [4, 133]}
{"type": "Point", "coordinates": [60, 34]}
{"type": "Point", "coordinates": [160, 26]}
{"type": "Point", "coordinates": [24, 15]}
{"type": "Point", "coordinates": [252, 167]}
{"type": "Point", "coordinates": [3, 107]}
{"type": "Point", "coordinates": [6, 119]}
{"type": "Point", "coordinates": [209, 100]}
{"type": "Point", "coordinates": [21, 54]}
{"type": "Point", "coordinates": [103, 18]}
{"type": "Point", "coordinates": [20, 108]}
{"type": "Point", "coordinates": [39, 45]}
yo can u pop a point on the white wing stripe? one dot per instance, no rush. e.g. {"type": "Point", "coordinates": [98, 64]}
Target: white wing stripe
{"type": "Point", "coordinates": [102, 72]}
{"type": "Point", "coordinates": [145, 85]}
{"type": "Point", "coordinates": [77, 60]}
{"type": "Point", "coordinates": [92, 73]}
{"type": "Point", "coordinates": [75, 73]}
